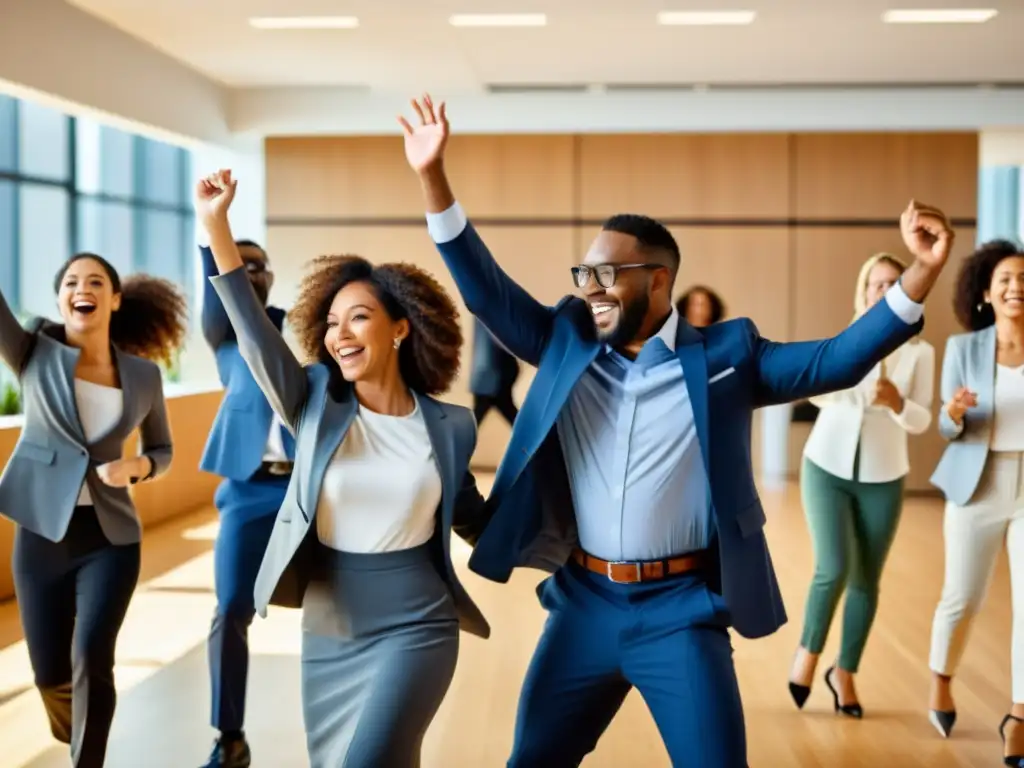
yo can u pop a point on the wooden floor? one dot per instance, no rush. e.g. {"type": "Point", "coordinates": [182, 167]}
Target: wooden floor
{"type": "Point", "coordinates": [162, 712]}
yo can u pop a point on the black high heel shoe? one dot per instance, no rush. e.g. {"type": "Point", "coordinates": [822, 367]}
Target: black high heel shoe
{"type": "Point", "coordinates": [850, 710]}
{"type": "Point", "coordinates": [943, 721]}
{"type": "Point", "coordinates": [799, 694]}
{"type": "Point", "coordinates": [1014, 761]}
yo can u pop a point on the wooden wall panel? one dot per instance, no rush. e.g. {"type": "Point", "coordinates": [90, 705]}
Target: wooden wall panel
{"type": "Point", "coordinates": [668, 176]}
{"type": "Point", "coordinates": [874, 175]}
{"type": "Point", "coordinates": [747, 266]}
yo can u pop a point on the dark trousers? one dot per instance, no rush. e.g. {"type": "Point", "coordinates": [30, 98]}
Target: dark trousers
{"type": "Point", "coordinates": [668, 638]}
{"type": "Point", "coordinates": [502, 401]}
{"type": "Point", "coordinates": [247, 514]}
{"type": "Point", "coordinates": [72, 597]}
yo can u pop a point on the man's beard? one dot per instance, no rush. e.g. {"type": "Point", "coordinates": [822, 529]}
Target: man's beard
{"type": "Point", "coordinates": [631, 319]}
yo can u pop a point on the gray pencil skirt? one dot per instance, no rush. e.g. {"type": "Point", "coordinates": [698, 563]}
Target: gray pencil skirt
{"type": "Point", "coordinates": [379, 644]}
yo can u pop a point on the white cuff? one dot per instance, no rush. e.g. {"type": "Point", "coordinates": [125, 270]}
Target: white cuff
{"type": "Point", "coordinates": [447, 225]}
{"type": "Point", "coordinates": [906, 309]}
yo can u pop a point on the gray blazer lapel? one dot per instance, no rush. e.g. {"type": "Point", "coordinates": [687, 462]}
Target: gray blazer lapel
{"type": "Point", "coordinates": [335, 421]}
{"type": "Point", "coordinates": [982, 369]}
{"type": "Point", "coordinates": [442, 441]}
{"type": "Point", "coordinates": [69, 362]}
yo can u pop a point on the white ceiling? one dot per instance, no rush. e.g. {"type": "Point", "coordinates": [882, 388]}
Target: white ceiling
{"type": "Point", "coordinates": [409, 46]}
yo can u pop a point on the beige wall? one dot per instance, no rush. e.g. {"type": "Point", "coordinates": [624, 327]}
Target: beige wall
{"type": "Point", "coordinates": [182, 489]}
{"type": "Point", "coordinates": [778, 223]}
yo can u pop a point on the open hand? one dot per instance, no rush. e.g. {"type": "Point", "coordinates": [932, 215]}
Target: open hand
{"type": "Point", "coordinates": [213, 196]}
{"type": "Point", "coordinates": [887, 395]}
{"type": "Point", "coordinates": [962, 400]}
{"type": "Point", "coordinates": [927, 234]}
{"type": "Point", "coordinates": [425, 143]}
{"type": "Point", "coordinates": [121, 473]}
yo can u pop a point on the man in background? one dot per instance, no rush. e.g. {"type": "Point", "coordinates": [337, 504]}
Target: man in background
{"type": "Point", "coordinates": [252, 451]}
{"type": "Point", "coordinates": [493, 375]}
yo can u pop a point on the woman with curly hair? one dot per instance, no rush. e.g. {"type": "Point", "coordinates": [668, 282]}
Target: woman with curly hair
{"type": "Point", "coordinates": [980, 472]}
{"type": "Point", "coordinates": [87, 384]}
{"type": "Point", "coordinates": [381, 479]}
{"type": "Point", "coordinates": [851, 482]}
{"type": "Point", "coordinates": [701, 306]}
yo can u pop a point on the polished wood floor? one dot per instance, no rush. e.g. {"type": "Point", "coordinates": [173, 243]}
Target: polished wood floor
{"type": "Point", "coordinates": [162, 713]}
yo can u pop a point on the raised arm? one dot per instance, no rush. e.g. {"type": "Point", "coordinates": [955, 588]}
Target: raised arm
{"type": "Point", "coordinates": [216, 325]}
{"type": "Point", "coordinates": [796, 370]}
{"type": "Point", "coordinates": [793, 371]}
{"type": "Point", "coordinates": [15, 341]}
{"type": "Point", "coordinates": [516, 319]}
{"type": "Point", "coordinates": [916, 415]}
{"type": "Point", "coordinates": [273, 365]}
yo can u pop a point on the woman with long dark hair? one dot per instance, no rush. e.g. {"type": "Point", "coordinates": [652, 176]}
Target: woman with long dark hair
{"type": "Point", "coordinates": [380, 481]}
{"type": "Point", "coordinates": [87, 383]}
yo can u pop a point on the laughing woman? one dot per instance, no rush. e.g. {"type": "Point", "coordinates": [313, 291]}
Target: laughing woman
{"type": "Point", "coordinates": [981, 473]}
{"type": "Point", "coordinates": [381, 480]}
{"type": "Point", "coordinates": [87, 384]}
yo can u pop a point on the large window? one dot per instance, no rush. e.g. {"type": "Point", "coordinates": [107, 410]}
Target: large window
{"type": "Point", "coordinates": [72, 184]}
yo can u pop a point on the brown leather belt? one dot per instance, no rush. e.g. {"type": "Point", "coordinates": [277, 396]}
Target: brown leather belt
{"type": "Point", "coordinates": [635, 572]}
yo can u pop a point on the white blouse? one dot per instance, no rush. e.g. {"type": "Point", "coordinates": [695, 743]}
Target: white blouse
{"type": "Point", "coordinates": [99, 410]}
{"type": "Point", "coordinates": [1008, 419]}
{"type": "Point", "coordinates": [381, 489]}
{"type": "Point", "coordinates": [848, 419]}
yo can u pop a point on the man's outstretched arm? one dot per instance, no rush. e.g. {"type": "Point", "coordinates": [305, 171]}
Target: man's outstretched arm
{"type": "Point", "coordinates": [516, 319]}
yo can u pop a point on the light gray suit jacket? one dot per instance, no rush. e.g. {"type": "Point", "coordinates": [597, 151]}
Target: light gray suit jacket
{"type": "Point", "coordinates": [41, 483]}
{"type": "Point", "coordinates": [970, 361]}
{"type": "Point", "coordinates": [319, 419]}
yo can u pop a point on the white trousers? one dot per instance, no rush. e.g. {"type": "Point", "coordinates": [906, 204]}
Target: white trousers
{"type": "Point", "coordinates": [973, 535]}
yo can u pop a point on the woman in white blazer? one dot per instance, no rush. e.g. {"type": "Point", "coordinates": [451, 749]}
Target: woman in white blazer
{"type": "Point", "coordinates": [851, 483]}
{"type": "Point", "coordinates": [982, 417]}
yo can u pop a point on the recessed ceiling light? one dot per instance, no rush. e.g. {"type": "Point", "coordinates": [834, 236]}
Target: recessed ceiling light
{"type": "Point", "coordinates": [939, 16]}
{"type": "Point", "coordinates": [705, 18]}
{"type": "Point", "coordinates": [498, 20]}
{"type": "Point", "coordinates": [304, 22]}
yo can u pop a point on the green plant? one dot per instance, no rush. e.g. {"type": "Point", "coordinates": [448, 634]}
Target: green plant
{"type": "Point", "coordinates": [10, 401]}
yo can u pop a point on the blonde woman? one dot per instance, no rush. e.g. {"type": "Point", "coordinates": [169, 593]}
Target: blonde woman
{"type": "Point", "coordinates": [851, 482]}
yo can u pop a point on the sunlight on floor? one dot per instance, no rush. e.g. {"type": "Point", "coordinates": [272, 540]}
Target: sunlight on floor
{"type": "Point", "coordinates": [168, 617]}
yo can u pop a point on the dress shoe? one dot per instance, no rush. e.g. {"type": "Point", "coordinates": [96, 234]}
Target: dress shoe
{"type": "Point", "coordinates": [230, 752]}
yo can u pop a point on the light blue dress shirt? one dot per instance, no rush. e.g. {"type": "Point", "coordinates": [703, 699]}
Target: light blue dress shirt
{"type": "Point", "coordinates": [629, 439]}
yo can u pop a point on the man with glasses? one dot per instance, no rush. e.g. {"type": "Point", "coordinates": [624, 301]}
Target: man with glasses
{"type": "Point", "coordinates": [252, 451]}
{"type": "Point", "coordinates": [628, 476]}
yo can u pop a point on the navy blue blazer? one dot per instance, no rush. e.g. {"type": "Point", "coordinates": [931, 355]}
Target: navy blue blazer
{"type": "Point", "coordinates": [238, 437]}
{"type": "Point", "coordinates": [730, 370]}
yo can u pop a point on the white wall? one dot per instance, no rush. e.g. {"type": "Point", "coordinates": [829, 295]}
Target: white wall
{"type": "Point", "coordinates": [52, 51]}
{"type": "Point", "coordinates": [248, 221]}
{"type": "Point", "coordinates": [297, 111]}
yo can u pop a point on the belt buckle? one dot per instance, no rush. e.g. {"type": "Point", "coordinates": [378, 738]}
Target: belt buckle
{"type": "Point", "coordinates": [637, 566]}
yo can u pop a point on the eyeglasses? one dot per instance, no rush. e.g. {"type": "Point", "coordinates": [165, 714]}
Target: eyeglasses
{"type": "Point", "coordinates": [256, 267]}
{"type": "Point", "coordinates": [606, 274]}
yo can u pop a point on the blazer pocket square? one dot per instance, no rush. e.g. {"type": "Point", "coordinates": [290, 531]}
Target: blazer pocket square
{"type": "Point", "coordinates": [721, 375]}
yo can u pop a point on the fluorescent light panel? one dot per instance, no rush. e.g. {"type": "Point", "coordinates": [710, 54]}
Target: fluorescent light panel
{"type": "Point", "coordinates": [304, 22]}
{"type": "Point", "coordinates": [498, 20]}
{"type": "Point", "coordinates": [939, 16]}
{"type": "Point", "coordinates": [705, 18]}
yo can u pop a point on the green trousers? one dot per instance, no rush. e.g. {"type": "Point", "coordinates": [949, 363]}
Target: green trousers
{"type": "Point", "coordinates": [852, 526]}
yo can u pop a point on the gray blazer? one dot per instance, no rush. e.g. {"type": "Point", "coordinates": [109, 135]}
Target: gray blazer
{"type": "Point", "coordinates": [970, 361]}
{"type": "Point", "coordinates": [319, 419]}
{"type": "Point", "coordinates": [40, 485]}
